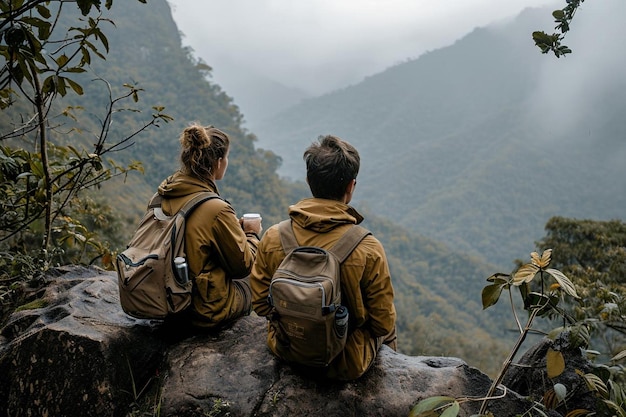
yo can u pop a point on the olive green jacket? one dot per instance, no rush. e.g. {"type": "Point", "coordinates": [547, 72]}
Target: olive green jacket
{"type": "Point", "coordinates": [218, 250]}
{"type": "Point", "coordinates": [366, 285]}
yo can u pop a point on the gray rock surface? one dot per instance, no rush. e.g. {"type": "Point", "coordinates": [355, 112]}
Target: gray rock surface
{"type": "Point", "coordinates": [78, 354]}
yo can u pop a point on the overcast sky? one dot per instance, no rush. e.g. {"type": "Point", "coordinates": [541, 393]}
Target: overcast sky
{"type": "Point", "coordinates": [321, 45]}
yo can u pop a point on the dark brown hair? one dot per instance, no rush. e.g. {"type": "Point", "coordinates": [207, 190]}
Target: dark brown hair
{"type": "Point", "coordinates": [331, 164]}
{"type": "Point", "coordinates": [201, 148]}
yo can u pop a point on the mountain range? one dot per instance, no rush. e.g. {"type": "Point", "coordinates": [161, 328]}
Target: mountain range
{"type": "Point", "coordinates": [478, 144]}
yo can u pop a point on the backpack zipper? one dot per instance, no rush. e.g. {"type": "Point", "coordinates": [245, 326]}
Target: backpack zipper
{"type": "Point", "coordinates": [129, 263]}
{"type": "Point", "coordinates": [325, 308]}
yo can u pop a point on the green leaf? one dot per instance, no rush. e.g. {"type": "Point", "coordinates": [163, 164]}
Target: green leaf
{"type": "Point", "coordinates": [43, 31]}
{"type": "Point", "coordinates": [75, 86]}
{"type": "Point", "coordinates": [24, 69]}
{"type": "Point", "coordinates": [43, 11]}
{"type": "Point", "coordinates": [452, 411]}
{"type": "Point", "coordinates": [617, 392]}
{"type": "Point", "coordinates": [62, 60]}
{"type": "Point", "coordinates": [76, 70]}
{"type": "Point", "coordinates": [491, 295]}
{"type": "Point", "coordinates": [48, 85]}
{"type": "Point", "coordinates": [86, 57]}
{"type": "Point", "coordinates": [524, 290]}
{"type": "Point", "coordinates": [61, 86]}
{"type": "Point", "coordinates": [429, 404]}
{"type": "Point", "coordinates": [542, 37]}
{"type": "Point", "coordinates": [85, 5]}
{"type": "Point", "coordinates": [564, 50]}
{"type": "Point", "coordinates": [563, 281]}
{"type": "Point", "coordinates": [497, 277]}
{"type": "Point", "coordinates": [103, 39]}
{"type": "Point", "coordinates": [554, 333]}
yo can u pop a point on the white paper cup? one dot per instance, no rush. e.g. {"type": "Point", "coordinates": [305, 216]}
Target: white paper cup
{"type": "Point", "coordinates": [251, 216]}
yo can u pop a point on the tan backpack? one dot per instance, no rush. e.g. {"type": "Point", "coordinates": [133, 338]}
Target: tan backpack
{"type": "Point", "coordinates": [153, 277]}
{"type": "Point", "coordinates": [305, 293]}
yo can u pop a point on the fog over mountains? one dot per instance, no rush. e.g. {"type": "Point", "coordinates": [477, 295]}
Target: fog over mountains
{"type": "Point", "coordinates": [478, 144]}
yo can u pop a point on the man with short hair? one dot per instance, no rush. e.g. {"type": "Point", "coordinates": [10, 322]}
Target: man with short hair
{"type": "Point", "coordinates": [332, 167]}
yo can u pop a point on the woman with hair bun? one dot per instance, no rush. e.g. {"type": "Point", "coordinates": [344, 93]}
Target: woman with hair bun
{"type": "Point", "coordinates": [220, 247]}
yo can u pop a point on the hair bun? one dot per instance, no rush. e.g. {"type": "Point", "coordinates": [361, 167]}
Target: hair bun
{"type": "Point", "coordinates": [195, 137]}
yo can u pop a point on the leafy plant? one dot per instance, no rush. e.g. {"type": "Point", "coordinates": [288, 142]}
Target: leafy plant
{"type": "Point", "coordinates": [593, 255]}
{"type": "Point", "coordinates": [42, 176]}
{"type": "Point", "coordinates": [538, 303]}
{"type": "Point", "coordinates": [220, 408]}
{"type": "Point", "coordinates": [545, 299]}
{"type": "Point", "coordinates": [563, 18]}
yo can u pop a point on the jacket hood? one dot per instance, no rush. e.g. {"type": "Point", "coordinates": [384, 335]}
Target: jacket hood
{"type": "Point", "coordinates": [177, 189]}
{"type": "Point", "coordinates": [322, 215]}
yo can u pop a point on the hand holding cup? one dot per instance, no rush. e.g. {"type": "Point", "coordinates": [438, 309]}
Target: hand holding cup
{"type": "Point", "coordinates": [251, 223]}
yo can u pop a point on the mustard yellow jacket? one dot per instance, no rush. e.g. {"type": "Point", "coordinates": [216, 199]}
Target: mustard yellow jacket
{"type": "Point", "coordinates": [366, 285]}
{"type": "Point", "coordinates": [218, 250]}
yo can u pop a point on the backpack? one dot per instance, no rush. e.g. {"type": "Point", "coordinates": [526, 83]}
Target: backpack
{"type": "Point", "coordinates": [305, 293]}
{"type": "Point", "coordinates": [151, 284]}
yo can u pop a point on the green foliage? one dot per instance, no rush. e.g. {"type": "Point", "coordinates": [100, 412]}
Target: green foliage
{"type": "Point", "coordinates": [59, 191]}
{"type": "Point", "coordinates": [42, 175]}
{"type": "Point", "coordinates": [39, 303]}
{"type": "Point", "coordinates": [29, 50]}
{"type": "Point", "coordinates": [171, 76]}
{"type": "Point", "coordinates": [586, 293]}
{"type": "Point", "coordinates": [21, 274]}
{"type": "Point", "coordinates": [593, 254]}
{"type": "Point", "coordinates": [436, 406]}
{"type": "Point", "coordinates": [563, 18]}
{"type": "Point", "coordinates": [536, 303]}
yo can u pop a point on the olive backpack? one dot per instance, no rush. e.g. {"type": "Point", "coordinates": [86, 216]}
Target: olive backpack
{"type": "Point", "coordinates": [153, 277]}
{"type": "Point", "coordinates": [305, 295]}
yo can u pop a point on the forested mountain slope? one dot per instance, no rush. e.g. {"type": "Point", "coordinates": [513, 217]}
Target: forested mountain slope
{"type": "Point", "coordinates": [146, 51]}
{"type": "Point", "coordinates": [478, 144]}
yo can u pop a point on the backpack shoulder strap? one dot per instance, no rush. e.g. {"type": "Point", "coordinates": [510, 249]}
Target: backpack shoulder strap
{"type": "Point", "coordinates": [155, 201]}
{"type": "Point", "coordinates": [200, 198]}
{"type": "Point", "coordinates": [287, 237]}
{"type": "Point", "coordinates": [178, 235]}
{"type": "Point", "coordinates": [348, 242]}
{"type": "Point", "coordinates": [185, 211]}
{"type": "Point", "coordinates": [341, 249]}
